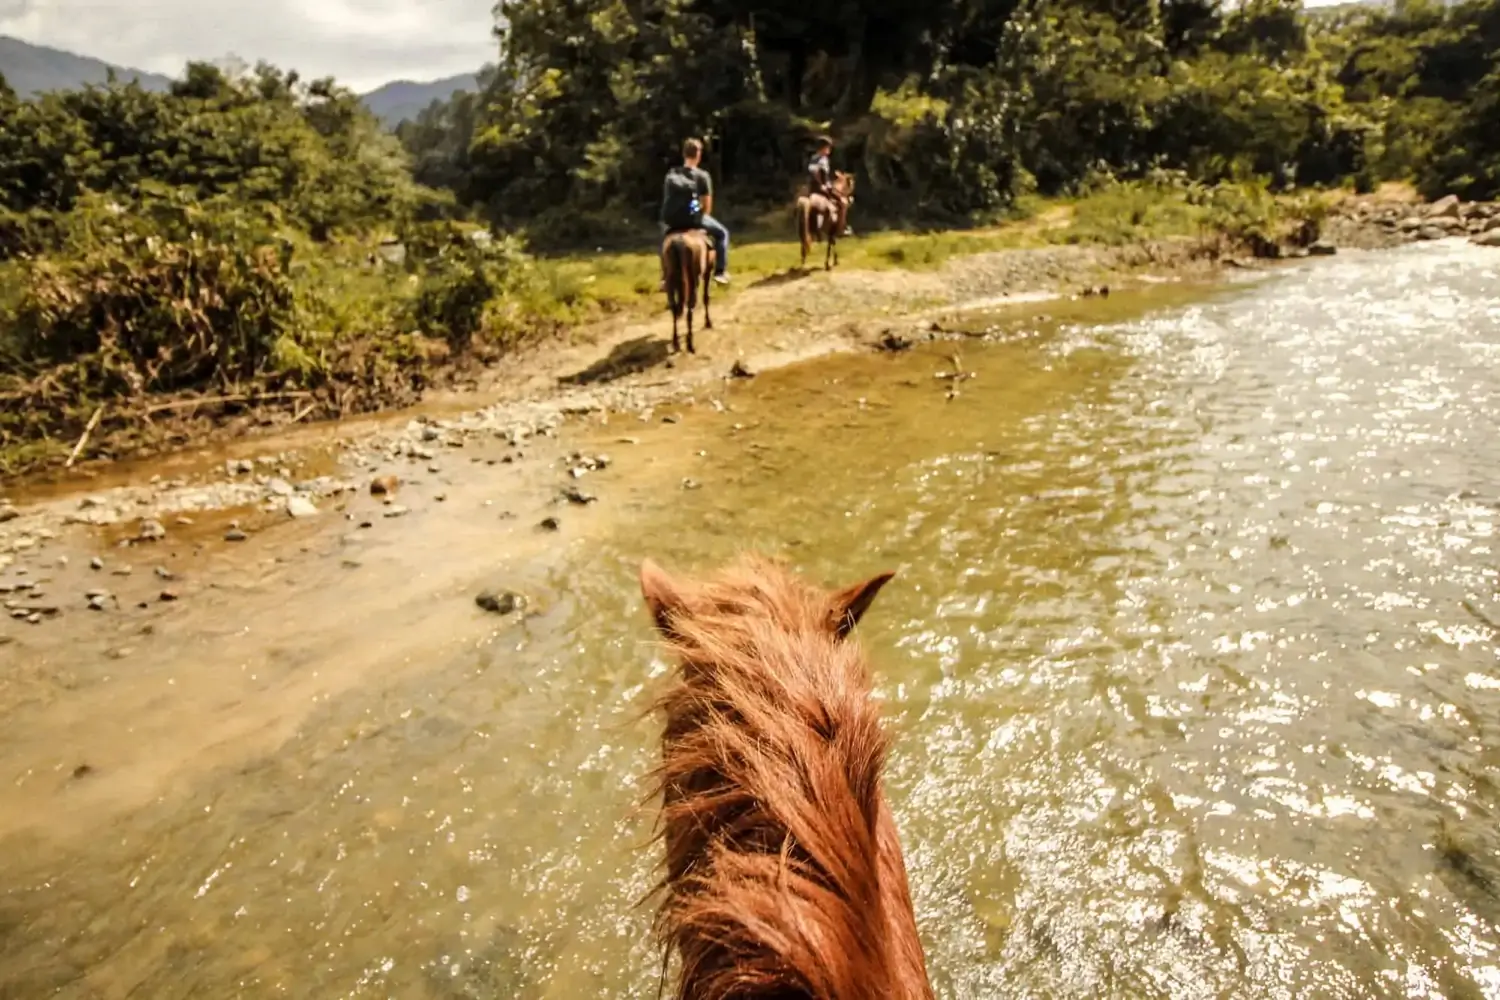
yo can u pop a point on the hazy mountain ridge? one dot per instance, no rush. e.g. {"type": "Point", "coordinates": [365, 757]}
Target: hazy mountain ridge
{"type": "Point", "coordinates": [36, 69]}
{"type": "Point", "coordinates": [401, 100]}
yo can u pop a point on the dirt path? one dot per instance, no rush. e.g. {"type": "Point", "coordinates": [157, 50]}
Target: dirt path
{"type": "Point", "coordinates": [171, 618]}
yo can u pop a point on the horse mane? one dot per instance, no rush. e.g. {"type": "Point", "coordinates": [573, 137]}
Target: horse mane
{"type": "Point", "coordinates": [779, 880]}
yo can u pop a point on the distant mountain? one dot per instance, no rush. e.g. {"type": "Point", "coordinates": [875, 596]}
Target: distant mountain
{"type": "Point", "coordinates": [35, 69]}
{"type": "Point", "coordinates": [401, 100]}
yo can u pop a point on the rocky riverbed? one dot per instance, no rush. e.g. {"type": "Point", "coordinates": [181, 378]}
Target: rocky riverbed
{"type": "Point", "coordinates": [1373, 224]}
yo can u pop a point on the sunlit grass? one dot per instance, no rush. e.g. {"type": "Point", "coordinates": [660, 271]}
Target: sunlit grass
{"type": "Point", "coordinates": [615, 281]}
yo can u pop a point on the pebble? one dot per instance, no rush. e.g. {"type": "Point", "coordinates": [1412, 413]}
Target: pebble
{"type": "Point", "coordinates": [96, 563]}
{"type": "Point", "coordinates": [550, 524]}
{"type": "Point", "coordinates": [169, 595]}
{"type": "Point", "coordinates": [691, 484]}
{"type": "Point", "coordinates": [298, 506]}
{"type": "Point", "coordinates": [152, 531]}
{"type": "Point", "coordinates": [396, 510]}
{"type": "Point", "coordinates": [500, 604]}
{"type": "Point", "coordinates": [280, 487]}
{"type": "Point", "coordinates": [235, 535]}
{"type": "Point", "coordinates": [576, 496]}
{"type": "Point", "coordinates": [162, 573]}
{"type": "Point", "coordinates": [98, 602]}
{"type": "Point", "coordinates": [122, 571]}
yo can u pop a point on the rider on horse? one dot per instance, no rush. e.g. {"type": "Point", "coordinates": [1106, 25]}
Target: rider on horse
{"type": "Point", "coordinates": [687, 198]}
{"type": "Point", "coordinates": [820, 180]}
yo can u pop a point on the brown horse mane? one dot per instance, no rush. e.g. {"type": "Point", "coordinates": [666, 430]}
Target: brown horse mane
{"type": "Point", "coordinates": [779, 874]}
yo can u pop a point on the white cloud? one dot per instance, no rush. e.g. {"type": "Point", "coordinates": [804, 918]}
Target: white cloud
{"type": "Point", "coordinates": [363, 43]}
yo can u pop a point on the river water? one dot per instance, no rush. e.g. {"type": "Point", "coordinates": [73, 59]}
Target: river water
{"type": "Point", "coordinates": [1186, 661]}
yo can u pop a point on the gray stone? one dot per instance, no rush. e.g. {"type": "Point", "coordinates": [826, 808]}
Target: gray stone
{"type": "Point", "coordinates": [299, 506]}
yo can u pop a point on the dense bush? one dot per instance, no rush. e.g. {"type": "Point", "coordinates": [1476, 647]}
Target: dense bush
{"type": "Point", "coordinates": [951, 109]}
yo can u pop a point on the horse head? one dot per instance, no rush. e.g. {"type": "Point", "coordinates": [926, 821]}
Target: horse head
{"type": "Point", "coordinates": [844, 184]}
{"type": "Point", "coordinates": [784, 876]}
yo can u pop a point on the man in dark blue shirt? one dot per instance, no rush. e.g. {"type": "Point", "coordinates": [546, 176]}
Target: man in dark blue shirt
{"type": "Point", "coordinates": [692, 181]}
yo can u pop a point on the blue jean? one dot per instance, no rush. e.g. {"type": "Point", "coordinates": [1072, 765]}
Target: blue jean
{"type": "Point", "coordinates": [720, 235]}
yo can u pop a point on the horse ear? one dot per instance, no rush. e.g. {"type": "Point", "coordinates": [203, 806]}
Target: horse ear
{"type": "Point", "coordinates": [663, 597]}
{"type": "Point", "coordinates": [851, 603]}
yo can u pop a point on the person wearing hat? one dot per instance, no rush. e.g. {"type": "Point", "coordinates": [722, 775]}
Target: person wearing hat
{"type": "Point", "coordinates": [820, 178]}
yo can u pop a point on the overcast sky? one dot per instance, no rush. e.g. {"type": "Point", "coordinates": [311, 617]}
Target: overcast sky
{"type": "Point", "coordinates": [363, 43]}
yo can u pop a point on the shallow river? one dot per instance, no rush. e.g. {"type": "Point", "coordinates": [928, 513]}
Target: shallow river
{"type": "Point", "coordinates": [1186, 659]}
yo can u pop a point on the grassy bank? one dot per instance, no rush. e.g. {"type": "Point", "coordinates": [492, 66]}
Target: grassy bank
{"type": "Point", "coordinates": [1227, 218]}
{"type": "Point", "coordinates": [143, 328]}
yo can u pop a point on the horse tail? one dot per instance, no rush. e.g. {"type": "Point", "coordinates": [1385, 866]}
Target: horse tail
{"type": "Point", "coordinates": [689, 269]}
{"type": "Point", "coordinates": [672, 258]}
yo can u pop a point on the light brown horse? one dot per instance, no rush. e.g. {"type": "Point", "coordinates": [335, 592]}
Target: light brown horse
{"type": "Point", "coordinates": [784, 876]}
{"type": "Point", "coordinates": [687, 261]}
{"type": "Point", "coordinates": [818, 218]}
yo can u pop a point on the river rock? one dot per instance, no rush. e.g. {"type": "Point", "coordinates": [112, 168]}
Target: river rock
{"type": "Point", "coordinates": [1322, 248]}
{"type": "Point", "coordinates": [503, 603]}
{"type": "Point", "coordinates": [550, 524]}
{"type": "Point", "coordinates": [1431, 233]}
{"type": "Point", "coordinates": [280, 487]}
{"type": "Point", "coordinates": [235, 535]}
{"type": "Point", "coordinates": [151, 531]}
{"type": "Point", "coordinates": [8, 513]}
{"type": "Point", "coordinates": [1489, 239]}
{"type": "Point", "coordinates": [574, 495]}
{"type": "Point", "coordinates": [382, 485]}
{"type": "Point", "coordinates": [299, 506]}
{"type": "Point", "coordinates": [96, 563]}
{"type": "Point", "coordinates": [1447, 207]}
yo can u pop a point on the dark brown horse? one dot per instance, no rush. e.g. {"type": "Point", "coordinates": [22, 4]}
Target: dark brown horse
{"type": "Point", "coordinates": [818, 218]}
{"type": "Point", "coordinates": [784, 876]}
{"type": "Point", "coordinates": [687, 261]}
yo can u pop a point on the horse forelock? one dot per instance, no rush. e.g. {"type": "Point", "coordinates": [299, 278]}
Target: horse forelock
{"type": "Point", "coordinates": [773, 814]}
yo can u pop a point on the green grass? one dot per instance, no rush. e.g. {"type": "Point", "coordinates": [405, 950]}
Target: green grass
{"type": "Point", "coordinates": [617, 281]}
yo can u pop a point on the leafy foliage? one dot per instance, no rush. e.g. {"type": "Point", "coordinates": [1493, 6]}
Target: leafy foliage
{"type": "Point", "coordinates": [952, 109]}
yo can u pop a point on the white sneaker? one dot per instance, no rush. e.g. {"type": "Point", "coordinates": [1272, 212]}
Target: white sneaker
{"type": "Point", "coordinates": [722, 279]}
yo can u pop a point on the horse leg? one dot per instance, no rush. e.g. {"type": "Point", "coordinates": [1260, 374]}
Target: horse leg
{"type": "Point", "coordinates": [708, 320]}
{"type": "Point", "coordinates": [675, 345]}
